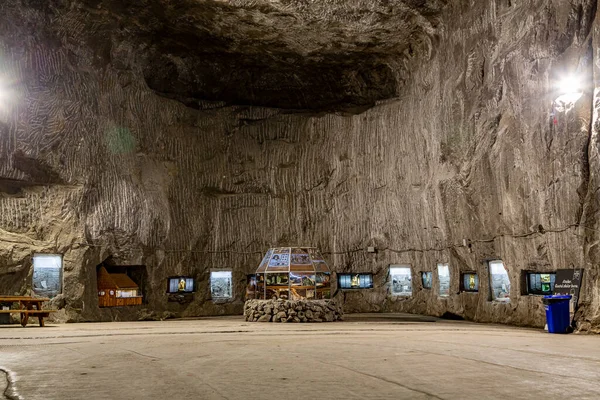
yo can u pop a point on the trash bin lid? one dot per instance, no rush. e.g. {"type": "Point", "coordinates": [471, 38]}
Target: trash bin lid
{"type": "Point", "coordinates": [559, 297]}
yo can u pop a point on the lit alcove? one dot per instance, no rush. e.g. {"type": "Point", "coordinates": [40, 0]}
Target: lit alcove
{"type": "Point", "coordinates": [401, 278]}
{"type": "Point", "coordinates": [426, 279]}
{"type": "Point", "coordinates": [355, 281]}
{"type": "Point", "coordinates": [47, 274]}
{"type": "Point", "coordinates": [469, 282]}
{"type": "Point", "coordinates": [444, 279]}
{"type": "Point", "coordinates": [499, 282]}
{"type": "Point", "coordinates": [116, 288]}
{"type": "Point", "coordinates": [540, 283]}
{"type": "Point", "coordinates": [221, 287]}
{"type": "Point", "coordinates": [180, 284]}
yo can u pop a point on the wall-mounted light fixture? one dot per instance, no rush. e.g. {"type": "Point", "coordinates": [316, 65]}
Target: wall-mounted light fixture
{"type": "Point", "coordinates": [7, 95]}
{"type": "Point", "coordinates": [570, 89]}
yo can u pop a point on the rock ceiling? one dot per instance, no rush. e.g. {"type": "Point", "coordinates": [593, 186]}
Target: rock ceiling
{"type": "Point", "coordinates": [295, 54]}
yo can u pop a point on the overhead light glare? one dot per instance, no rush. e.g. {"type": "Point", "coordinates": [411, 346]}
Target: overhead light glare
{"type": "Point", "coordinates": [570, 90]}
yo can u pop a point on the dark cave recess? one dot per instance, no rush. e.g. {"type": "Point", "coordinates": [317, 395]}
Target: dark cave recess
{"type": "Point", "coordinates": [291, 54]}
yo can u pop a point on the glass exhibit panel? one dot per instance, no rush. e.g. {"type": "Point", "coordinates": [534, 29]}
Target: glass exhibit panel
{"type": "Point", "coordinates": [470, 282]}
{"type": "Point", "coordinates": [265, 261]}
{"type": "Point", "coordinates": [426, 278]}
{"type": "Point", "coordinates": [47, 275]}
{"type": "Point", "coordinates": [181, 284]}
{"type": "Point", "coordinates": [344, 281]}
{"type": "Point", "coordinates": [542, 284]}
{"type": "Point", "coordinates": [323, 279]}
{"type": "Point", "coordinates": [277, 285]}
{"type": "Point", "coordinates": [444, 279]}
{"type": "Point", "coordinates": [301, 283]}
{"type": "Point", "coordinates": [292, 267]}
{"type": "Point", "coordinates": [307, 280]}
{"type": "Point", "coordinates": [295, 279]}
{"type": "Point", "coordinates": [355, 281]}
{"type": "Point", "coordinates": [401, 278]}
{"type": "Point", "coordinates": [300, 257]}
{"type": "Point", "coordinates": [221, 284]}
{"type": "Point", "coordinates": [321, 267]}
{"type": "Point", "coordinates": [277, 279]}
{"type": "Point", "coordinates": [499, 282]}
{"type": "Point", "coordinates": [315, 255]}
{"type": "Point", "coordinates": [280, 258]}
{"type": "Point", "coordinates": [366, 281]}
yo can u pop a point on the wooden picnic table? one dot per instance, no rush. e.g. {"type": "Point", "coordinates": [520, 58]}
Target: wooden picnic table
{"type": "Point", "coordinates": [27, 306]}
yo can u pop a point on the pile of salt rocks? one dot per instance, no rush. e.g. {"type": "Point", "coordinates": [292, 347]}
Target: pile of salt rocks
{"type": "Point", "coordinates": [293, 311]}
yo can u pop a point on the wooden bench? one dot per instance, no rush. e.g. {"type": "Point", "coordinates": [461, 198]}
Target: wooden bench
{"type": "Point", "coordinates": [27, 306]}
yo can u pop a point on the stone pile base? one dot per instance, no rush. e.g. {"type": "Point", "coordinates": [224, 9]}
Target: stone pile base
{"type": "Point", "coordinates": [292, 311]}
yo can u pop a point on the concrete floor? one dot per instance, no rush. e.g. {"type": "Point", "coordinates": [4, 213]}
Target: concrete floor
{"type": "Point", "coordinates": [366, 357]}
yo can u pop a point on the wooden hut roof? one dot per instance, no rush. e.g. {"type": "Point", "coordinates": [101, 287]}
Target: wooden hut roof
{"type": "Point", "coordinates": [104, 280]}
{"type": "Point", "coordinates": [123, 281]}
{"type": "Point", "coordinates": [107, 280]}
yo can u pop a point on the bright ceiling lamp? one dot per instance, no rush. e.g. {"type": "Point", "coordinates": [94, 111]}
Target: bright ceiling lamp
{"type": "Point", "coordinates": [570, 90]}
{"type": "Point", "coordinates": [10, 97]}
{"type": "Point", "coordinates": [4, 92]}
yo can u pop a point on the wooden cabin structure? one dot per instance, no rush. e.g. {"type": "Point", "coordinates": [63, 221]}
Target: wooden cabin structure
{"type": "Point", "coordinates": [117, 290]}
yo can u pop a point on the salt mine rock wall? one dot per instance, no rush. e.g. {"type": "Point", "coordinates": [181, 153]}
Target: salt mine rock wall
{"type": "Point", "coordinates": [466, 165]}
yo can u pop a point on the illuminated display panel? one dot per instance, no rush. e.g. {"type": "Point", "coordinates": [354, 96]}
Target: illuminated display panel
{"type": "Point", "coordinates": [355, 281]}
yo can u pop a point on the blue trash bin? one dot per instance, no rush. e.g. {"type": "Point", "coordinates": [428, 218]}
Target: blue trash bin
{"type": "Point", "coordinates": [558, 315]}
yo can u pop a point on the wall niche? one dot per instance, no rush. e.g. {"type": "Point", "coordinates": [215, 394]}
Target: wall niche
{"type": "Point", "coordinates": [120, 285]}
{"type": "Point", "coordinates": [180, 289]}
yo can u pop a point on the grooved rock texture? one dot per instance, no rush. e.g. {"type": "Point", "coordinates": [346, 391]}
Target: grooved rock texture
{"type": "Point", "coordinates": [286, 53]}
{"type": "Point", "coordinates": [464, 165]}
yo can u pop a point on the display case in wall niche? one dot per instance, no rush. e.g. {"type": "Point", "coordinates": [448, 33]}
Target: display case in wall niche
{"type": "Point", "coordinates": [293, 273]}
{"type": "Point", "coordinates": [180, 289]}
{"type": "Point", "coordinates": [499, 282]}
{"type": "Point", "coordinates": [443, 271]}
{"type": "Point", "coordinates": [426, 279]}
{"type": "Point", "coordinates": [47, 275]}
{"type": "Point", "coordinates": [538, 283]}
{"type": "Point", "coordinates": [469, 282]}
{"type": "Point", "coordinates": [355, 281]}
{"type": "Point", "coordinates": [117, 289]}
{"type": "Point", "coordinates": [221, 284]}
{"type": "Point", "coordinates": [401, 279]}
{"type": "Point", "coordinates": [180, 284]}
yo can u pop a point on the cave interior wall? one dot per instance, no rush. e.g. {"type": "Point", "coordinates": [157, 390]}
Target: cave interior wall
{"type": "Point", "coordinates": [465, 164]}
